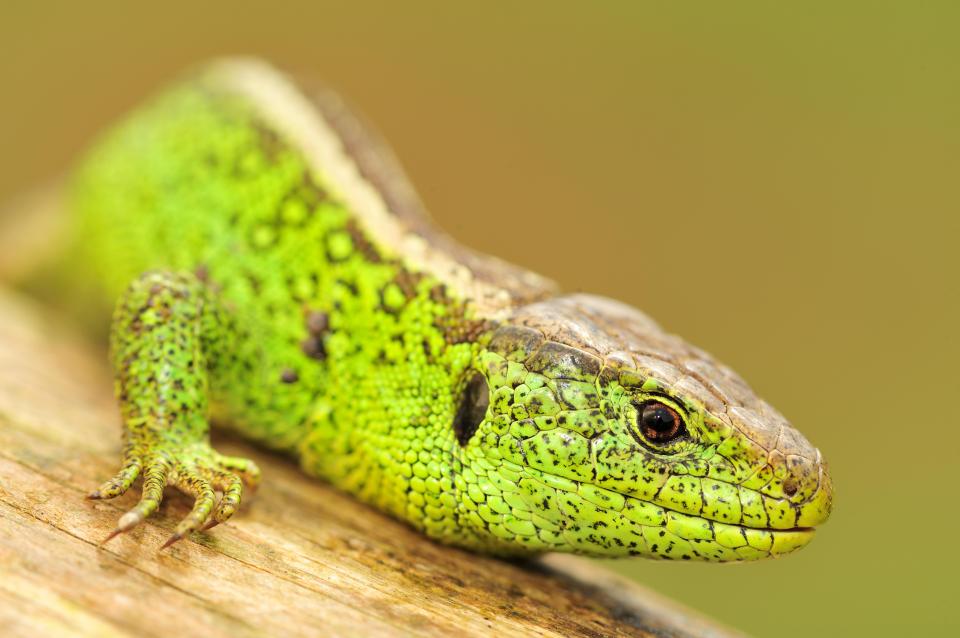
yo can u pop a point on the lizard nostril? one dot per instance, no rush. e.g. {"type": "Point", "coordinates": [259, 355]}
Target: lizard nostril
{"type": "Point", "coordinates": [790, 487]}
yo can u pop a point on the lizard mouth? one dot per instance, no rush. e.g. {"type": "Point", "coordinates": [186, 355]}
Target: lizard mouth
{"type": "Point", "coordinates": [786, 541]}
{"type": "Point", "coordinates": [674, 534]}
{"type": "Point", "coordinates": [777, 527]}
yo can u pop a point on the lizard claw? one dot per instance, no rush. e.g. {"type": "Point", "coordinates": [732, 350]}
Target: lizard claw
{"type": "Point", "coordinates": [126, 523]}
{"type": "Point", "coordinates": [170, 541]}
{"type": "Point", "coordinates": [110, 536]}
{"type": "Point", "coordinates": [210, 524]}
{"type": "Point", "coordinates": [197, 471]}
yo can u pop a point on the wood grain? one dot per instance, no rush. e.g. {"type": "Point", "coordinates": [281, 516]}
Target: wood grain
{"type": "Point", "coordinates": [300, 559]}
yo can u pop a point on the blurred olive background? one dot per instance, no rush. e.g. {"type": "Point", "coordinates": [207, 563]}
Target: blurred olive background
{"type": "Point", "coordinates": [779, 184]}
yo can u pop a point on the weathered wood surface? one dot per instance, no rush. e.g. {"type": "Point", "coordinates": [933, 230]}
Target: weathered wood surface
{"type": "Point", "coordinates": [301, 559]}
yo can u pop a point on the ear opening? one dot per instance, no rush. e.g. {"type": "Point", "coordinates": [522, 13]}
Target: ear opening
{"type": "Point", "coordinates": [472, 409]}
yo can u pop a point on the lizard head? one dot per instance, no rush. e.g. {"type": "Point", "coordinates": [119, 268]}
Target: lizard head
{"type": "Point", "coordinates": [588, 429]}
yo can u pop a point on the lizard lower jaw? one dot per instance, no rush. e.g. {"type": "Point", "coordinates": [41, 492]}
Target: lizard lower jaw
{"type": "Point", "coordinates": [674, 534]}
{"type": "Point", "coordinates": [786, 541]}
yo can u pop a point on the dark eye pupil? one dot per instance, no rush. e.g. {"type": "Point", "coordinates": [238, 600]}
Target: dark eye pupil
{"type": "Point", "coordinates": [659, 422]}
{"type": "Point", "coordinates": [658, 418]}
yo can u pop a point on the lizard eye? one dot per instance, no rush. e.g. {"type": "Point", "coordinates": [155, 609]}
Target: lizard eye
{"type": "Point", "coordinates": [473, 408]}
{"type": "Point", "coordinates": [659, 423]}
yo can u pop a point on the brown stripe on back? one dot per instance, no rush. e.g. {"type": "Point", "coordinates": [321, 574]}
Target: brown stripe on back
{"type": "Point", "coordinates": [378, 164]}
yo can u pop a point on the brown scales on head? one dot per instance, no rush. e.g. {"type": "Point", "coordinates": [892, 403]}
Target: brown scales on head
{"type": "Point", "coordinates": [623, 343]}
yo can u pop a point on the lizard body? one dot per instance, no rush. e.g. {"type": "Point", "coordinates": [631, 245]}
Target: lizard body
{"type": "Point", "coordinates": [275, 273]}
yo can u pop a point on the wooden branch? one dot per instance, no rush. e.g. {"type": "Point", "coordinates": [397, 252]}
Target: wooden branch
{"type": "Point", "coordinates": [302, 559]}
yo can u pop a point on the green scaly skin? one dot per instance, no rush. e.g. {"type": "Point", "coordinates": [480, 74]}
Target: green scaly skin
{"type": "Point", "coordinates": [251, 293]}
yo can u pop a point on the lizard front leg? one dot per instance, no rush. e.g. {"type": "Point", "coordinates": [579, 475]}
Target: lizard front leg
{"type": "Point", "coordinates": [168, 332]}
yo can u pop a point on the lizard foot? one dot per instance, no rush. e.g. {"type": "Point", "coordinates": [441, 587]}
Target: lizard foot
{"type": "Point", "coordinates": [197, 470]}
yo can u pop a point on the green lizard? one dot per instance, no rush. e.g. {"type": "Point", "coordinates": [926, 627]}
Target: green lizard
{"type": "Point", "coordinates": [275, 274]}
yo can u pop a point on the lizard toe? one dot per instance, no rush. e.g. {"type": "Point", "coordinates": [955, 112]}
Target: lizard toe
{"type": "Point", "coordinates": [231, 486]}
{"type": "Point", "coordinates": [120, 482]}
{"type": "Point", "coordinates": [194, 482]}
{"type": "Point", "coordinates": [154, 480]}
